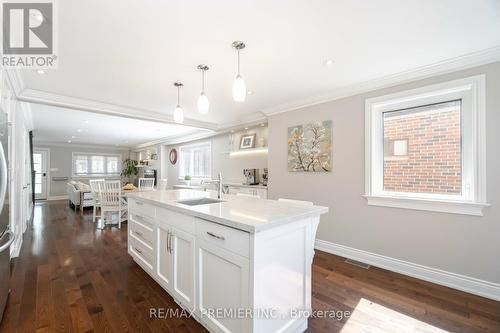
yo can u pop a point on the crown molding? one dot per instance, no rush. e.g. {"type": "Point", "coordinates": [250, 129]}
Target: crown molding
{"type": "Point", "coordinates": [47, 98]}
{"type": "Point", "coordinates": [28, 116]}
{"type": "Point", "coordinates": [43, 144]}
{"type": "Point", "coordinates": [16, 81]}
{"type": "Point", "coordinates": [470, 60]}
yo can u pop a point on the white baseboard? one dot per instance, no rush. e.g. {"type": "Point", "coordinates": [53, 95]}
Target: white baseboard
{"type": "Point", "coordinates": [58, 197]}
{"type": "Point", "coordinates": [15, 248]}
{"type": "Point", "coordinates": [456, 281]}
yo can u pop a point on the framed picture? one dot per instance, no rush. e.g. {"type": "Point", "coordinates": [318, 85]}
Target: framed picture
{"type": "Point", "coordinates": [310, 147]}
{"type": "Point", "coordinates": [247, 141]}
{"type": "Point", "coordinates": [173, 156]}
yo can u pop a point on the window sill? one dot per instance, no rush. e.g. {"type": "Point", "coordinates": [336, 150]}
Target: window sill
{"type": "Point", "coordinates": [443, 206]}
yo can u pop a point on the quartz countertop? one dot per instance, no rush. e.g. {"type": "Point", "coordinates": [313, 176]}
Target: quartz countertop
{"type": "Point", "coordinates": [244, 213]}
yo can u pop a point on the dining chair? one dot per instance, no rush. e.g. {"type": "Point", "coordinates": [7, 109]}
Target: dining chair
{"type": "Point", "coordinates": [248, 195]}
{"type": "Point", "coordinates": [146, 184]}
{"type": "Point", "coordinates": [298, 202]}
{"type": "Point", "coordinates": [110, 196]}
{"type": "Point", "coordinates": [94, 187]}
{"type": "Point", "coordinates": [162, 184]}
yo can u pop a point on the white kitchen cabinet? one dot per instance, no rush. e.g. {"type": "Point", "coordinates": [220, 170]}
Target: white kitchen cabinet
{"type": "Point", "coordinates": [176, 264]}
{"type": "Point", "coordinates": [219, 267]}
{"type": "Point", "coordinates": [261, 192]}
{"type": "Point", "coordinates": [222, 283]}
{"type": "Point", "coordinates": [183, 267]}
{"type": "Point", "coordinates": [164, 259]}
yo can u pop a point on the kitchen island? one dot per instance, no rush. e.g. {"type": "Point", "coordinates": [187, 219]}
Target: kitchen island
{"type": "Point", "coordinates": [238, 264]}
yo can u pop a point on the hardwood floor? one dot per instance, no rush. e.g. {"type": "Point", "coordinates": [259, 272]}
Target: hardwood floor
{"type": "Point", "coordinates": [71, 277]}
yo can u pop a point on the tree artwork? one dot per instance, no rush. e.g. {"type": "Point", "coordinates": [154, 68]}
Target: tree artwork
{"type": "Point", "coordinates": [310, 147]}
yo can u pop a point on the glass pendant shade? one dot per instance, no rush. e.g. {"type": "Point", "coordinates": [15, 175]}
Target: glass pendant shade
{"type": "Point", "coordinates": [239, 89]}
{"type": "Point", "coordinates": [178, 115]}
{"type": "Point", "coordinates": [203, 104]}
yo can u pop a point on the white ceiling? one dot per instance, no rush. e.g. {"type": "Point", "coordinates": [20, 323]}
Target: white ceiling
{"type": "Point", "coordinates": [129, 52]}
{"type": "Point", "coordinates": [54, 124]}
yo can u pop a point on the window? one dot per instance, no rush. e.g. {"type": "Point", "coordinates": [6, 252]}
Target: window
{"type": "Point", "coordinates": [195, 160]}
{"type": "Point", "coordinates": [425, 148]}
{"type": "Point", "coordinates": [91, 165]}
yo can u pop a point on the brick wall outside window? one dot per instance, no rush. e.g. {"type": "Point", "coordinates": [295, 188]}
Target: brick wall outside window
{"type": "Point", "coordinates": [433, 160]}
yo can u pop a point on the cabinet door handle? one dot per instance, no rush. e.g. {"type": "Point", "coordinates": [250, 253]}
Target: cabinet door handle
{"type": "Point", "coordinates": [216, 236]}
{"type": "Point", "coordinates": [168, 241]}
{"type": "Point", "coordinates": [171, 247]}
{"type": "Point", "coordinates": [137, 250]}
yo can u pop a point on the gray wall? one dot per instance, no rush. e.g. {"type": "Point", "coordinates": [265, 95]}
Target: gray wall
{"type": "Point", "coordinates": [61, 158]}
{"type": "Point", "coordinates": [231, 167]}
{"type": "Point", "coordinates": [455, 243]}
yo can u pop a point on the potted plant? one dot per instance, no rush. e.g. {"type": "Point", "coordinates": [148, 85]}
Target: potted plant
{"type": "Point", "coordinates": [187, 179]}
{"type": "Point", "coordinates": [129, 170]}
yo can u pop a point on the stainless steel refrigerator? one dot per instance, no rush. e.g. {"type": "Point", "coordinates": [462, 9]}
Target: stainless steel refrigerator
{"type": "Point", "coordinates": [6, 236]}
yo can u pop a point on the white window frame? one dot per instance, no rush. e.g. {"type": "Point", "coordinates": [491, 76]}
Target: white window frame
{"type": "Point", "coordinates": [471, 91]}
{"type": "Point", "coordinates": [89, 163]}
{"type": "Point", "coordinates": [191, 146]}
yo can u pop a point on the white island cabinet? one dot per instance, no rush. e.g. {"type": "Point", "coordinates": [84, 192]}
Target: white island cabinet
{"type": "Point", "coordinates": [239, 265]}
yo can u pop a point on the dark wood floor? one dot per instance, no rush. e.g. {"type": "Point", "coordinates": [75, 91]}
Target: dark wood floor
{"type": "Point", "coordinates": [71, 277]}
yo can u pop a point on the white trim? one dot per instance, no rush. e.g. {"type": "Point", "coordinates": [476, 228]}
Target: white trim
{"type": "Point", "coordinates": [456, 281]}
{"type": "Point", "coordinates": [16, 80]}
{"type": "Point", "coordinates": [15, 248]}
{"type": "Point", "coordinates": [56, 197]}
{"type": "Point", "coordinates": [455, 64]}
{"type": "Point", "coordinates": [77, 145]}
{"type": "Point", "coordinates": [471, 91]}
{"type": "Point", "coordinates": [47, 98]}
{"type": "Point", "coordinates": [443, 206]}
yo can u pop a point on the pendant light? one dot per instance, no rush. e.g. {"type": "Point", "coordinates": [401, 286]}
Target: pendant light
{"type": "Point", "coordinates": [239, 87]}
{"type": "Point", "coordinates": [178, 113]}
{"type": "Point", "coordinates": [203, 104]}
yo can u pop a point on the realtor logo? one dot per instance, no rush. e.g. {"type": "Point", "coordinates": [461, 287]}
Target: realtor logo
{"type": "Point", "coordinates": [28, 34]}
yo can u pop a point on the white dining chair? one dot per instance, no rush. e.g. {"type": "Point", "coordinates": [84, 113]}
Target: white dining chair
{"type": "Point", "coordinates": [94, 187]}
{"type": "Point", "coordinates": [248, 195]}
{"type": "Point", "coordinates": [146, 184]}
{"type": "Point", "coordinates": [162, 184]}
{"type": "Point", "coordinates": [298, 202]}
{"type": "Point", "coordinates": [110, 196]}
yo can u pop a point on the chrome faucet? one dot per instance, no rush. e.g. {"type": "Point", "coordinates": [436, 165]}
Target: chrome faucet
{"type": "Point", "coordinates": [219, 185]}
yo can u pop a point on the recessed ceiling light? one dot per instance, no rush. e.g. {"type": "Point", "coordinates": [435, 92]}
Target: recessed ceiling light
{"type": "Point", "coordinates": [41, 71]}
{"type": "Point", "coordinates": [250, 92]}
{"type": "Point", "coordinates": [246, 128]}
{"type": "Point", "coordinates": [79, 130]}
{"type": "Point", "coordinates": [69, 141]}
{"type": "Point", "coordinates": [86, 121]}
{"type": "Point", "coordinates": [328, 62]}
{"type": "Point", "coordinates": [262, 124]}
{"type": "Point", "coordinates": [73, 136]}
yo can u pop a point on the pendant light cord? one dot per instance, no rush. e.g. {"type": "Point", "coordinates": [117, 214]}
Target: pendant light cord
{"type": "Point", "coordinates": [238, 61]}
{"type": "Point", "coordinates": [178, 95]}
{"type": "Point", "coordinates": [203, 81]}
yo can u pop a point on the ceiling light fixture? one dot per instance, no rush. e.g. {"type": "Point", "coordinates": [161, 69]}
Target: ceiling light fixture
{"type": "Point", "coordinates": [203, 104]}
{"type": "Point", "coordinates": [40, 71]}
{"type": "Point", "coordinates": [79, 130]}
{"type": "Point", "coordinates": [250, 92]}
{"type": "Point", "coordinates": [328, 62]}
{"type": "Point", "coordinates": [178, 113]}
{"type": "Point", "coordinates": [69, 141]}
{"type": "Point", "coordinates": [239, 87]}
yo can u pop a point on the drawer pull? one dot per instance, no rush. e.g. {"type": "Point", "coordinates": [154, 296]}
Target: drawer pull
{"type": "Point", "coordinates": [138, 233]}
{"type": "Point", "coordinates": [216, 236]}
{"type": "Point", "coordinates": [137, 250]}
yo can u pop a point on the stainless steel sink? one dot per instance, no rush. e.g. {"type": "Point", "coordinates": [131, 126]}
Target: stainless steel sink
{"type": "Point", "coordinates": [197, 202]}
